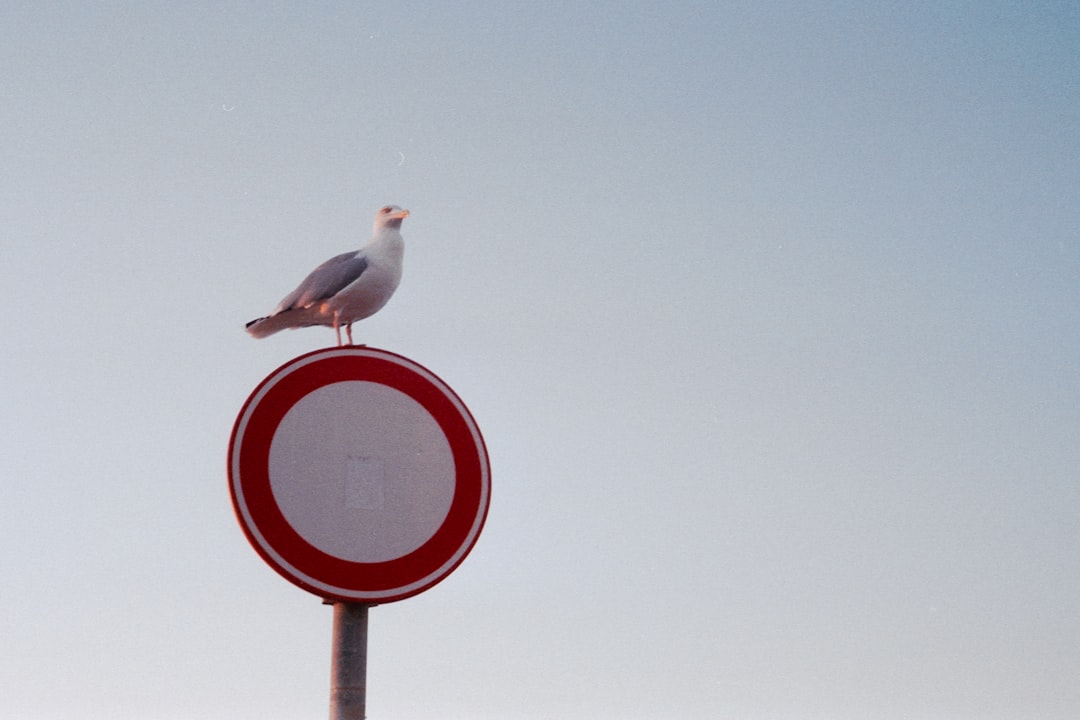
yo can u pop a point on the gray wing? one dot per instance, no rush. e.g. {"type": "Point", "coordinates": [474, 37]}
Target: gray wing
{"type": "Point", "coordinates": [325, 281]}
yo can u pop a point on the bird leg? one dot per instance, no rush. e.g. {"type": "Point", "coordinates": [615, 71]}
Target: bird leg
{"type": "Point", "coordinates": [337, 327]}
{"type": "Point", "coordinates": [348, 331]}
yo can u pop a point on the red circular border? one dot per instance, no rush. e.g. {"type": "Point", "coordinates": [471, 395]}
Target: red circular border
{"type": "Point", "coordinates": [382, 581]}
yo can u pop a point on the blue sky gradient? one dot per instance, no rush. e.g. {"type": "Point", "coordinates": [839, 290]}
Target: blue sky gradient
{"type": "Point", "coordinates": [768, 313]}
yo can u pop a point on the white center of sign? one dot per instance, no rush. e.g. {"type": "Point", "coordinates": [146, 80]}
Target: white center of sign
{"type": "Point", "coordinates": [362, 471]}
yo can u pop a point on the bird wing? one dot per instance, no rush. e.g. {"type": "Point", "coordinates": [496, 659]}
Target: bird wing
{"type": "Point", "coordinates": [325, 281]}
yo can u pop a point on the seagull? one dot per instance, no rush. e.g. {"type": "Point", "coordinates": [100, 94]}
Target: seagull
{"type": "Point", "coordinates": [345, 288]}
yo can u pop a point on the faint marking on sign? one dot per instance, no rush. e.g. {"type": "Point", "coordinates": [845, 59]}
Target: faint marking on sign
{"type": "Point", "coordinates": [365, 483]}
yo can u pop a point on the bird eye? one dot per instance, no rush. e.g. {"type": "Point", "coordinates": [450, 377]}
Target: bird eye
{"type": "Point", "coordinates": [386, 210]}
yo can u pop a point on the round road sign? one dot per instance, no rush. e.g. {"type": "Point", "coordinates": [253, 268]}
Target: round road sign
{"type": "Point", "coordinates": [358, 475]}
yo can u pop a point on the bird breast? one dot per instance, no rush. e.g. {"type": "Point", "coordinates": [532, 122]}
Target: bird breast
{"type": "Point", "coordinates": [372, 290]}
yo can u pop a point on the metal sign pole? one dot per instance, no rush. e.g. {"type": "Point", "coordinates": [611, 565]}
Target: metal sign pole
{"type": "Point", "coordinates": [348, 661]}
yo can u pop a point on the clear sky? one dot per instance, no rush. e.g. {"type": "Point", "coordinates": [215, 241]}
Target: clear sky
{"type": "Point", "coordinates": [769, 313]}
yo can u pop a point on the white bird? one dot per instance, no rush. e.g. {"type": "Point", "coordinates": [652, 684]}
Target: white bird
{"type": "Point", "coordinates": [345, 288]}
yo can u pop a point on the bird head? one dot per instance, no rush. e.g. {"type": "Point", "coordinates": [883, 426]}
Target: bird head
{"type": "Point", "coordinates": [389, 216]}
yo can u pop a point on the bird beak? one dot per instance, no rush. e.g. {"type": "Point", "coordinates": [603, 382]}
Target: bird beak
{"type": "Point", "coordinates": [401, 215]}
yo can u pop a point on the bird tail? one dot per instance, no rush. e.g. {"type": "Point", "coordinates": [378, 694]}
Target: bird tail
{"type": "Point", "coordinates": [265, 326]}
{"type": "Point", "coordinates": [262, 327]}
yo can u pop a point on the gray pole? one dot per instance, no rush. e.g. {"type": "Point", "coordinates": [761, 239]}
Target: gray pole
{"type": "Point", "coordinates": [348, 662]}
